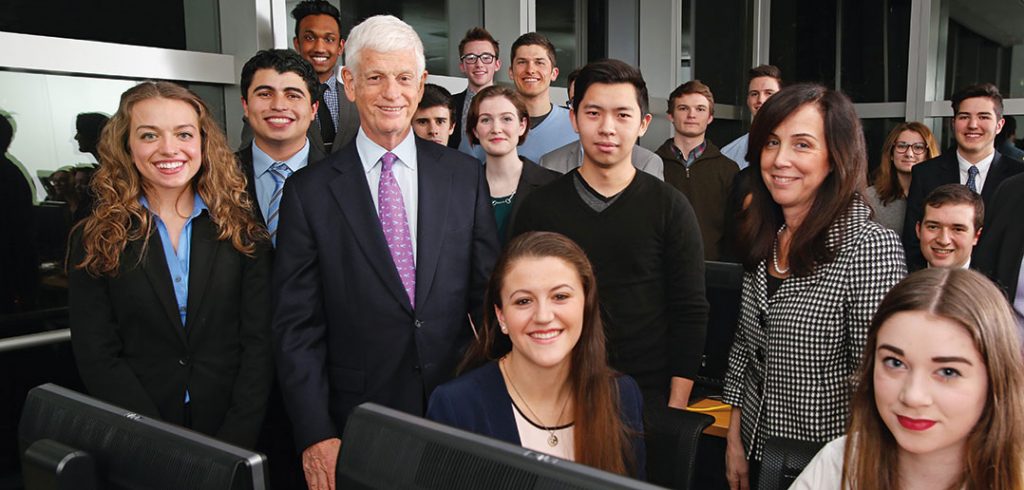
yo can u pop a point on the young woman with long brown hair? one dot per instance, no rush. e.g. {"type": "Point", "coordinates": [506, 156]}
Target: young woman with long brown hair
{"type": "Point", "coordinates": [540, 376]}
{"type": "Point", "coordinates": [169, 276]}
{"type": "Point", "coordinates": [908, 144]}
{"type": "Point", "coordinates": [939, 399]}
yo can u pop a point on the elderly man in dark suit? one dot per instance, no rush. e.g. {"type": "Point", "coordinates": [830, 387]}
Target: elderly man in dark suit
{"type": "Point", "coordinates": [383, 251]}
{"type": "Point", "coordinates": [1001, 250]}
{"type": "Point", "coordinates": [977, 118]}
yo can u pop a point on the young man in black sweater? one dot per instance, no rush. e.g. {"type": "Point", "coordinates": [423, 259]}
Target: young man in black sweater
{"type": "Point", "coordinates": [640, 234]}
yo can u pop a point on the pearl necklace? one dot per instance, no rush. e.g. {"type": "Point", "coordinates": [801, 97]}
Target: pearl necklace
{"type": "Point", "coordinates": [775, 251]}
{"type": "Point", "coordinates": [552, 438]}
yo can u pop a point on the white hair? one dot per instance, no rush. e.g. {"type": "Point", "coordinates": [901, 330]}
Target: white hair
{"type": "Point", "coordinates": [385, 34]}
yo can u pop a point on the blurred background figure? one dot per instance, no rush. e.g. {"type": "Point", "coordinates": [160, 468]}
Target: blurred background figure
{"type": "Point", "coordinates": [88, 127]}
{"type": "Point", "coordinates": [17, 253]}
{"type": "Point", "coordinates": [1006, 140]}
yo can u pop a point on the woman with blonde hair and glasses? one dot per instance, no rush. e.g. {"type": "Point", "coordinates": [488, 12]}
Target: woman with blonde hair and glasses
{"type": "Point", "coordinates": [939, 398]}
{"type": "Point", "coordinates": [169, 276]}
{"type": "Point", "coordinates": [908, 144]}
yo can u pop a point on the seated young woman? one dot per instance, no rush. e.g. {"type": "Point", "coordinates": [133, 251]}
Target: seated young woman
{"type": "Point", "coordinates": [939, 403]}
{"type": "Point", "coordinates": [540, 376]}
{"type": "Point", "coordinates": [497, 121]}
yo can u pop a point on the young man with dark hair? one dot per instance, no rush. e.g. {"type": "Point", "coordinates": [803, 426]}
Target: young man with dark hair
{"type": "Point", "coordinates": [694, 165]}
{"type": "Point", "coordinates": [640, 234]}
{"type": "Point", "coordinates": [278, 99]}
{"type": "Point", "coordinates": [570, 156]}
{"type": "Point", "coordinates": [318, 39]}
{"type": "Point", "coordinates": [534, 67]}
{"type": "Point", "coordinates": [765, 81]}
{"type": "Point", "coordinates": [951, 226]}
{"type": "Point", "coordinates": [479, 61]}
{"type": "Point", "coordinates": [977, 118]}
{"type": "Point", "coordinates": [434, 118]}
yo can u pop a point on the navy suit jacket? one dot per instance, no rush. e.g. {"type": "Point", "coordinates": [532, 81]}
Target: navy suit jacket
{"type": "Point", "coordinates": [345, 330]}
{"type": "Point", "coordinates": [945, 169]}
{"type": "Point", "coordinates": [1001, 248]}
{"type": "Point", "coordinates": [478, 402]}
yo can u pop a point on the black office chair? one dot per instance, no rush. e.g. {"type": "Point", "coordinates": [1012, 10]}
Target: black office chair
{"type": "Point", "coordinates": [671, 436]}
{"type": "Point", "coordinates": [783, 460]}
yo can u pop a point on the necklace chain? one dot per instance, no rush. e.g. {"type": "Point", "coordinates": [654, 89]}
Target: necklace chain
{"type": "Point", "coordinates": [504, 200]}
{"type": "Point", "coordinates": [552, 438]}
{"type": "Point", "coordinates": [775, 251]}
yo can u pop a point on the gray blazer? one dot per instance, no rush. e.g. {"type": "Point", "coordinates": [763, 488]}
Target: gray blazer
{"type": "Point", "coordinates": [568, 157]}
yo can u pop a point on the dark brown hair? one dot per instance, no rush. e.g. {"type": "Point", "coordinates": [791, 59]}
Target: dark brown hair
{"type": "Point", "coordinates": [534, 39]}
{"type": "Point", "coordinates": [600, 437]}
{"type": "Point", "coordinates": [495, 91]}
{"type": "Point", "coordinates": [692, 87]}
{"type": "Point", "coordinates": [845, 182]}
{"type": "Point", "coordinates": [978, 90]}
{"type": "Point", "coordinates": [765, 71]}
{"type": "Point", "coordinates": [994, 458]}
{"type": "Point", "coordinates": [478, 34]}
{"type": "Point", "coordinates": [886, 182]}
{"type": "Point", "coordinates": [956, 194]}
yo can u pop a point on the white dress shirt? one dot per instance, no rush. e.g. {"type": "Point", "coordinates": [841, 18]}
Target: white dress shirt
{"type": "Point", "coordinates": [983, 167]}
{"type": "Point", "coordinates": [404, 171]}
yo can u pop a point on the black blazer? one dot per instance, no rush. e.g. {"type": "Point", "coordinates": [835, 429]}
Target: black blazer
{"type": "Point", "coordinates": [133, 352]}
{"type": "Point", "coordinates": [532, 177]}
{"type": "Point", "coordinates": [244, 156]}
{"type": "Point", "coordinates": [345, 330]}
{"type": "Point", "coordinates": [455, 139]}
{"type": "Point", "coordinates": [1001, 248]}
{"type": "Point", "coordinates": [944, 169]}
{"type": "Point", "coordinates": [348, 125]}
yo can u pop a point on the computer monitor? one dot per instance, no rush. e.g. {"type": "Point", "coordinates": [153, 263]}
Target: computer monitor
{"type": "Point", "coordinates": [385, 448]}
{"type": "Point", "coordinates": [131, 451]}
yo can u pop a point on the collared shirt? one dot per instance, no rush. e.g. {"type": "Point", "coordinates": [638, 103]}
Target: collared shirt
{"type": "Point", "coordinates": [331, 97]}
{"type": "Point", "coordinates": [265, 183]}
{"type": "Point", "coordinates": [694, 154]}
{"type": "Point", "coordinates": [983, 166]}
{"type": "Point", "coordinates": [178, 260]}
{"type": "Point", "coordinates": [404, 171]}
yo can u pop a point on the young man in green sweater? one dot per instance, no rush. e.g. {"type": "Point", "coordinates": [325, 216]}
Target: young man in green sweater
{"type": "Point", "coordinates": [640, 234]}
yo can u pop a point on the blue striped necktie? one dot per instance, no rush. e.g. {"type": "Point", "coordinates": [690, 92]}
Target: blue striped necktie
{"type": "Point", "coordinates": [280, 172]}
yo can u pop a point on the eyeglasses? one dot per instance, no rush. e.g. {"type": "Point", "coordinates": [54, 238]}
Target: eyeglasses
{"type": "Point", "coordinates": [919, 148]}
{"type": "Point", "coordinates": [471, 58]}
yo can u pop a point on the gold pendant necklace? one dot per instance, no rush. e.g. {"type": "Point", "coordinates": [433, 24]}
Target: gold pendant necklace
{"type": "Point", "coordinates": [552, 438]}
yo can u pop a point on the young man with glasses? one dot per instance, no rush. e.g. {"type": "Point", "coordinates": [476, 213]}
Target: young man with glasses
{"type": "Point", "coordinates": [478, 60]}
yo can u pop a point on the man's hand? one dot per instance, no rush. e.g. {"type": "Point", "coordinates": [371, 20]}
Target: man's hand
{"type": "Point", "coordinates": [319, 462]}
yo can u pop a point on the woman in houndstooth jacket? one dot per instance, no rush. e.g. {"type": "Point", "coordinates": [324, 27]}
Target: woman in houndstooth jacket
{"type": "Point", "coordinates": [817, 267]}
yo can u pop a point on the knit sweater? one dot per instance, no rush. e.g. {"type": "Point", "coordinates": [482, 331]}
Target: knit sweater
{"type": "Point", "coordinates": [554, 132]}
{"type": "Point", "coordinates": [706, 183]}
{"type": "Point", "coordinates": [648, 258]}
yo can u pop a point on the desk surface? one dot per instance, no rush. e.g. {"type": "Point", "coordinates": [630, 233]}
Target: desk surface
{"type": "Point", "coordinates": [721, 411]}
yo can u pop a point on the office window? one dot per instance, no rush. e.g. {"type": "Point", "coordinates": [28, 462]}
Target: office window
{"type": "Point", "coordinates": [557, 20]}
{"type": "Point", "coordinates": [191, 25]}
{"type": "Point", "coordinates": [984, 43]}
{"type": "Point", "coordinates": [428, 17]}
{"type": "Point", "coordinates": [721, 46]}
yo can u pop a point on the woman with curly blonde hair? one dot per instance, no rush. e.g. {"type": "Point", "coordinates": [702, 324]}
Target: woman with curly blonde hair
{"type": "Point", "coordinates": [169, 276]}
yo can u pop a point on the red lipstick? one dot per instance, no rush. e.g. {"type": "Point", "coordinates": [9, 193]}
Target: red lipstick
{"type": "Point", "coordinates": [915, 424]}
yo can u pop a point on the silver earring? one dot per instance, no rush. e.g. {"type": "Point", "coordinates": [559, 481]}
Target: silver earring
{"type": "Point", "coordinates": [504, 329]}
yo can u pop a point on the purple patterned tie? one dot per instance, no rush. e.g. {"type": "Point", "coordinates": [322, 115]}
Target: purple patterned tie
{"type": "Point", "coordinates": [396, 226]}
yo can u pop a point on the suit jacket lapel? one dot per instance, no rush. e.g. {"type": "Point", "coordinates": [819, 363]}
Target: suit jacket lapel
{"type": "Point", "coordinates": [994, 178]}
{"type": "Point", "coordinates": [201, 259]}
{"type": "Point", "coordinates": [435, 181]}
{"type": "Point", "coordinates": [155, 265]}
{"type": "Point", "coordinates": [355, 202]}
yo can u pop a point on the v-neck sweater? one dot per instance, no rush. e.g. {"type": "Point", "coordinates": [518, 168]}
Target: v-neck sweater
{"type": "Point", "coordinates": [648, 257]}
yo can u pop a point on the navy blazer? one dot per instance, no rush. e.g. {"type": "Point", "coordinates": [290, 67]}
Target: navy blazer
{"type": "Point", "coordinates": [344, 327]}
{"type": "Point", "coordinates": [945, 169]}
{"type": "Point", "coordinates": [479, 402]}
